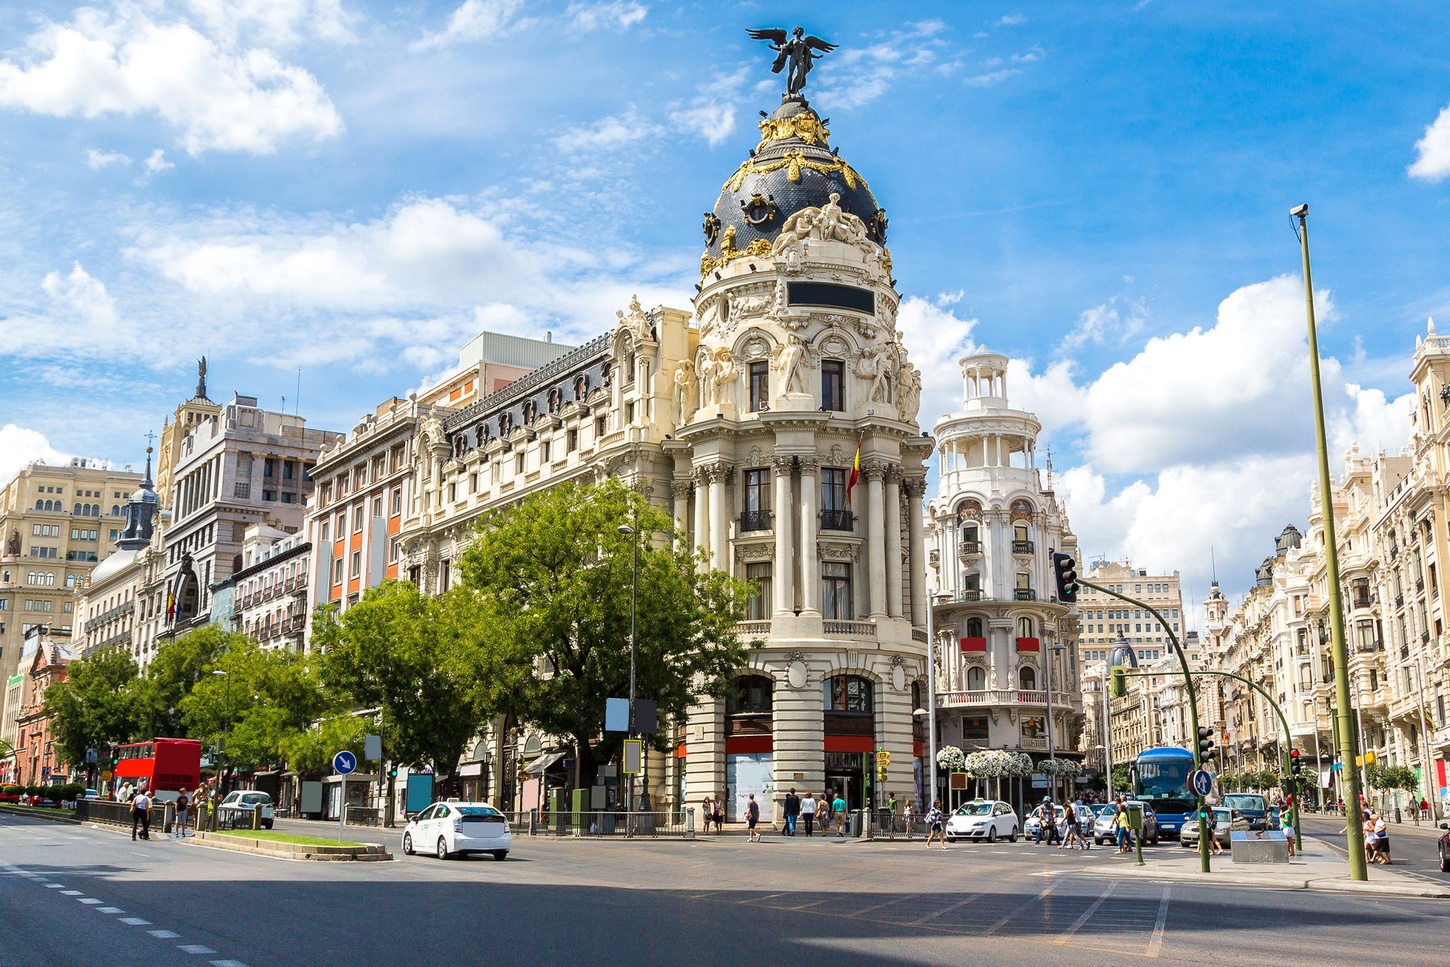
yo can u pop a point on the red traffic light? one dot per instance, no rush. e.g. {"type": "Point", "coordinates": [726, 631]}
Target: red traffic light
{"type": "Point", "coordinates": [1293, 753]}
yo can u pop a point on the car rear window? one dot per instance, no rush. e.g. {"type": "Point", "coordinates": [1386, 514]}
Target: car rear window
{"type": "Point", "coordinates": [480, 814]}
{"type": "Point", "coordinates": [257, 797]}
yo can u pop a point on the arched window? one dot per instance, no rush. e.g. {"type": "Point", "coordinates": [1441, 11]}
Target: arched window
{"type": "Point", "coordinates": [749, 695]}
{"type": "Point", "coordinates": [29, 577]}
{"type": "Point", "coordinates": [848, 693]}
{"type": "Point", "coordinates": [974, 628]}
{"type": "Point", "coordinates": [1027, 678]}
{"type": "Point", "coordinates": [976, 679]}
{"type": "Point", "coordinates": [115, 510]}
{"type": "Point", "coordinates": [580, 385]}
{"type": "Point", "coordinates": [40, 505]}
{"type": "Point", "coordinates": [1024, 628]}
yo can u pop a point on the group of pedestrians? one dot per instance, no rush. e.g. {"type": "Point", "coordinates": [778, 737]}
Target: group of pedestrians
{"type": "Point", "coordinates": [809, 811]}
{"type": "Point", "coordinates": [186, 804]}
{"type": "Point", "coordinates": [1075, 817]}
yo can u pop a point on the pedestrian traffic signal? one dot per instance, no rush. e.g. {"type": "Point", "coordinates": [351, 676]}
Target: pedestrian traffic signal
{"type": "Point", "coordinates": [393, 772]}
{"type": "Point", "coordinates": [1205, 743]}
{"type": "Point", "coordinates": [1064, 572]}
{"type": "Point", "coordinates": [1120, 681]}
{"type": "Point", "coordinates": [1295, 766]}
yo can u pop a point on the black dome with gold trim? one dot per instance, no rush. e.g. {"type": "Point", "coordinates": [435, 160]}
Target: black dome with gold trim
{"type": "Point", "coordinates": [792, 168]}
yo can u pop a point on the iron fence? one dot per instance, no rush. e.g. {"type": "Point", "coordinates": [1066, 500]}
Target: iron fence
{"type": "Point", "coordinates": [603, 823]}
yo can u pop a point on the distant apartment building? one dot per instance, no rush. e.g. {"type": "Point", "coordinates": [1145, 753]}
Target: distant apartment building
{"type": "Point", "coordinates": [1106, 620]}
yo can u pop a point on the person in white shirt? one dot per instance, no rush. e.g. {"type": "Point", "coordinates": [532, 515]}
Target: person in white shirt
{"type": "Point", "coordinates": [808, 813]}
{"type": "Point", "coordinates": [141, 815]}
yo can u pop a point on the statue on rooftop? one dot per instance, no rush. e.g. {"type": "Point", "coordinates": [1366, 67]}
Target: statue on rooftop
{"type": "Point", "coordinates": [798, 51]}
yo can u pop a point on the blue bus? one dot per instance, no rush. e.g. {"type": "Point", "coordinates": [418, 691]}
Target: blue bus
{"type": "Point", "coordinates": [1160, 778]}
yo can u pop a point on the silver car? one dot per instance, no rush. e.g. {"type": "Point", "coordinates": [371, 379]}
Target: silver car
{"type": "Point", "coordinates": [1105, 830]}
{"type": "Point", "coordinates": [1223, 823]}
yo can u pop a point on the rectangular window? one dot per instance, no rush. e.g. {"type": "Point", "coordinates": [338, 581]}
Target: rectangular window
{"type": "Point", "coordinates": [357, 520]}
{"type": "Point", "coordinates": [519, 465]}
{"type": "Point", "coordinates": [242, 489]}
{"type": "Point", "coordinates": [836, 591]}
{"type": "Point", "coordinates": [629, 413]}
{"type": "Point", "coordinates": [269, 495]}
{"type": "Point", "coordinates": [758, 607]}
{"type": "Point", "coordinates": [356, 563]}
{"type": "Point", "coordinates": [394, 550]}
{"type": "Point", "coordinates": [833, 385]}
{"type": "Point", "coordinates": [269, 467]}
{"type": "Point", "coordinates": [244, 466]}
{"type": "Point", "coordinates": [759, 386]}
{"type": "Point", "coordinates": [397, 505]}
{"type": "Point", "coordinates": [975, 727]}
{"type": "Point", "coordinates": [378, 506]}
{"type": "Point", "coordinates": [757, 491]}
{"type": "Point", "coordinates": [598, 428]}
{"type": "Point", "coordinates": [571, 441]}
{"type": "Point", "coordinates": [452, 492]}
{"type": "Point", "coordinates": [833, 489]}
{"type": "Point", "coordinates": [289, 469]}
{"type": "Point", "coordinates": [337, 571]}
{"type": "Point", "coordinates": [544, 452]}
{"type": "Point", "coordinates": [326, 530]}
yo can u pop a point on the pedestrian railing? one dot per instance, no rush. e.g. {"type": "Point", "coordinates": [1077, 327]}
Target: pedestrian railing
{"type": "Point", "coordinates": [603, 823]}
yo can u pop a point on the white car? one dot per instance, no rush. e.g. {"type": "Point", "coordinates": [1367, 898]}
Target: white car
{"type": "Point", "coordinates": [1029, 828]}
{"type": "Point", "coordinates": [449, 829]}
{"type": "Point", "coordinates": [236, 809]}
{"type": "Point", "coordinates": [983, 819]}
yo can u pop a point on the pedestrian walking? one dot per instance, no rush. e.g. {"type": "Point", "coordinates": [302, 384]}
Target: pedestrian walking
{"type": "Point", "coordinates": [178, 829]}
{"type": "Point", "coordinates": [1382, 841]}
{"type": "Point", "coordinates": [1121, 821]}
{"type": "Point", "coordinates": [934, 826]}
{"type": "Point", "coordinates": [1074, 828]}
{"type": "Point", "coordinates": [719, 815]}
{"type": "Point", "coordinates": [141, 815]}
{"type": "Point", "coordinates": [1085, 822]}
{"type": "Point", "coordinates": [752, 816]}
{"type": "Point", "coordinates": [808, 813]}
{"type": "Point", "coordinates": [838, 812]}
{"type": "Point", "coordinates": [823, 813]}
{"type": "Point", "coordinates": [1287, 825]}
{"type": "Point", "coordinates": [792, 812]}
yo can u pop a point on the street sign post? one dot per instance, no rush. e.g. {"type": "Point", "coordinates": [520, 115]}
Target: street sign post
{"type": "Point", "coordinates": [343, 763]}
{"type": "Point", "coordinates": [1201, 781]}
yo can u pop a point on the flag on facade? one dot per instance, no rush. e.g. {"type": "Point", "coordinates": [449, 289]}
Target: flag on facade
{"type": "Point", "coordinates": [170, 605]}
{"type": "Point", "coordinates": [855, 473]}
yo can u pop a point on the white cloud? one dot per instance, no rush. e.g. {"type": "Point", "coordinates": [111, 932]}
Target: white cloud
{"type": "Point", "coordinates": [609, 133]}
{"type": "Point", "coordinates": [1011, 20]}
{"type": "Point", "coordinates": [992, 78]}
{"type": "Point", "coordinates": [859, 75]}
{"type": "Point", "coordinates": [1433, 150]}
{"type": "Point", "coordinates": [157, 163]}
{"type": "Point", "coordinates": [97, 159]}
{"type": "Point", "coordinates": [473, 20]}
{"type": "Point", "coordinates": [937, 338]}
{"type": "Point", "coordinates": [82, 296]}
{"type": "Point", "coordinates": [280, 22]}
{"type": "Point", "coordinates": [218, 96]}
{"type": "Point", "coordinates": [615, 15]}
{"type": "Point", "coordinates": [20, 447]}
{"type": "Point", "coordinates": [1095, 324]}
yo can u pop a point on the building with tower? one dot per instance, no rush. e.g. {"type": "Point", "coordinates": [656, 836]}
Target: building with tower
{"type": "Point", "coordinates": [1007, 668]}
{"type": "Point", "coordinates": [121, 605]}
{"type": "Point", "coordinates": [187, 417]}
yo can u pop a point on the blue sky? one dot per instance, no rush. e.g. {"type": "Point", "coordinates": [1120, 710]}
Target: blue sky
{"type": "Point", "coordinates": [1099, 190]}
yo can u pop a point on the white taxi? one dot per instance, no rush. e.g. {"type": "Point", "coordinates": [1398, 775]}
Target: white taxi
{"type": "Point", "coordinates": [449, 829]}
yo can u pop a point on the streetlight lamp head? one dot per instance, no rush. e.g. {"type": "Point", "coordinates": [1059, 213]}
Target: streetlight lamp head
{"type": "Point", "coordinates": [219, 672]}
{"type": "Point", "coordinates": [625, 529]}
{"type": "Point", "coordinates": [1299, 211]}
{"type": "Point", "coordinates": [918, 713]}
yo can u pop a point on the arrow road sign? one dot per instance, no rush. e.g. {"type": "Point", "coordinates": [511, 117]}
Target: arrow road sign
{"type": "Point", "coordinates": [344, 762]}
{"type": "Point", "coordinates": [1201, 782]}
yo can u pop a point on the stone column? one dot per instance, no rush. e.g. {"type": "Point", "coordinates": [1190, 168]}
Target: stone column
{"type": "Point", "coordinates": [915, 491]}
{"type": "Point", "coordinates": [702, 511]}
{"type": "Point", "coordinates": [784, 571]}
{"type": "Point", "coordinates": [810, 522]}
{"type": "Point", "coordinates": [680, 490]}
{"type": "Point", "coordinates": [720, 518]}
{"type": "Point", "coordinates": [893, 541]}
{"type": "Point", "coordinates": [875, 537]}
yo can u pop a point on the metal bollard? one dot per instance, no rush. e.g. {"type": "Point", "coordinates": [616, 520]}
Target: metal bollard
{"type": "Point", "coordinates": [168, 817]}
{"type": "Point", "coordinates": [690, 822]}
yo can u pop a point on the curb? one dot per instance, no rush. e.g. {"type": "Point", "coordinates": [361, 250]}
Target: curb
{"type": "Point", "coordinates": [367, 853]}
{"type": "Point", "coordinates": [1268, 883]}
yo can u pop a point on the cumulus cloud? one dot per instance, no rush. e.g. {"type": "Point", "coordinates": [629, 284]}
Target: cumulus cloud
{"type": "Point", "coordinates": [1096, 324]}
{"type": "Point", "coordinates": [937, 338]}
{"type": "Point", "coordinates": [1432, 161]}
{"type": "Point", "coordinates": [615, 15]}
{"type": "Point", "coordinates": [608, 133]}
{"type": "Point", "coordinates": [156, 162]}
{"type": "Point", "coordinates": [278, 22]}
{"type": "Point", "coordinates": [20, 447]}
{"type": "Point", "coordinates": [218, 96]}
{"type": "Point", "coordinates": [473, 20]}
{"type": "Point", "coordinates": [96, 159]}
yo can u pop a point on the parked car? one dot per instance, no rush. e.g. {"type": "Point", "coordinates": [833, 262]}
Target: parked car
{"type": "Point", "coordinates": [1030, 827]}
{"type": "Point", "coordinates": [983, 819]}
{"type": "Point", "coordinates": [1105, 832]}
{"type": "Point", "coordinates": [1224, 821]}
{"type": "Point", "coordinates": [1254, 807]}
{"type": "Point", "coordinates": [236, 809]}
{"type": "Point", "coordinates": [1444, 848]}
{"type": "Point", "coordinates": [449, 829]}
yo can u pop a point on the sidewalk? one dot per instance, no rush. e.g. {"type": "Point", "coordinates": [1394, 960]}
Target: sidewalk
{"type": "Point", "coordinates": [1316, 867]}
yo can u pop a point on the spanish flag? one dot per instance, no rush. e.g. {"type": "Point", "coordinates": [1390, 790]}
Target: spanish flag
{"type": "Point", "coordinates": [170, 605]}
{"type": "Point", "coordinates": [855, 473]}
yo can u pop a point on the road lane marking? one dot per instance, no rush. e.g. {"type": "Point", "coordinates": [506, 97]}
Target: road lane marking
{"type": "Point", "coordinates": [90, 900]}
{"type": "Point", "coordinates": [194, 948]}
{"type": "Point", "coordinates": [947, 909]}
{"type": "Point", "coordinates": [1005, 920]}
{"type": "Point", "coordinates": [1156, 944]}
{"type": "Point", "coordinates": [55, 886]}
{"type": "Point", "coordinates": [164, 934]}
{"type": "Point", "coordinates": [135, 922]}
{"type": "Point", "coordinates": [72, 893]}
{"type": "Point", "coordinates": [227, 963]}
{"type": "Point", "coordinates": [109, 910]}
{"type": "Point", "coordinates": [1087, 915]}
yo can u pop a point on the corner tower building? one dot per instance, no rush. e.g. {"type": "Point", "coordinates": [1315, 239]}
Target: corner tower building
{"type": "Point", "coordinates": [798, 370]}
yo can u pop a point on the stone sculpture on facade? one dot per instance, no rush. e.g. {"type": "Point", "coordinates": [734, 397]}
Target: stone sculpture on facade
{"type": "Point", "coordinates": [827, 223]}
{"type": "Point", "coordinates": [684, 393]}
{"type": "Point", "coordinates": [791, 360]}
{"type": "Point", "coordinates": [796, 50]}
{"type": "Point", "coordinates": [635, 321]}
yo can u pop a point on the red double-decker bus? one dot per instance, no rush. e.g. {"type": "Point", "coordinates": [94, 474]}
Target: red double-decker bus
{"type": "Point", "coordinates": [162, 765]}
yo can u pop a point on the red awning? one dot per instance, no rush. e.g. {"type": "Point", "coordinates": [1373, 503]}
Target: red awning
{"type": "Point", "coordinates": [850, 743]}
{"type": "Point", "coordinates": [749, 743]}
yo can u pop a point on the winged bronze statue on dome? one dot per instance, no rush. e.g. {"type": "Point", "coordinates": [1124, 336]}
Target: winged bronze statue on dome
{"type": "Point", "coordinates": [795, 49]}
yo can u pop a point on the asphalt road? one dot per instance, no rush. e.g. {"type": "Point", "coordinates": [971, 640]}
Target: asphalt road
{"type": "Point", "coordinates": [80, 896]}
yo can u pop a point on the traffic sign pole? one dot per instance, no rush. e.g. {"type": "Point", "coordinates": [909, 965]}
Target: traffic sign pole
{"type": "Point", "coordinates": [343, 763]}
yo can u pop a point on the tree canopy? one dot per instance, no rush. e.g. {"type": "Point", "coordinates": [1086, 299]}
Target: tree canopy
{"type": "Point", "coordinates": [96, 706]}
{"type": "Point", "coordinates": [552, 576]}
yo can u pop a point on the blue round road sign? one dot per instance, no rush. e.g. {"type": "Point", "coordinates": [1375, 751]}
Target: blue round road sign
{"type": "Point", "coordinates": [344, 762]}
{"type": "Point", "coordinates": [1201, 781]}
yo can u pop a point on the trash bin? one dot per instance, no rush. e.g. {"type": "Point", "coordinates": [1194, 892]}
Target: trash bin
{"type": "Point", "coordinates": [858, 821]}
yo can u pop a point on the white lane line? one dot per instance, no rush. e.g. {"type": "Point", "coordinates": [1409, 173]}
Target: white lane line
{"type": "Point", "coordinates": [947, 909]}
{"type": "Point", "coordinates": [71, 893]}
{"type": "Point", "coordinates": [1008, 918]}
{"type": "Point", "coordinates": [1156, 944]}
{"type": "Point", "coordinates": [109, 910]}
{"type": "Point", "coordinates": [164, 934]}
{"type": "Point", "coordinates": [1087, 915]}
{"type": "Point", "coordinates": [55, 886]}
{"type": "Point", "coordinates": [91, 901]}
{"type": "Point", "coordinates": [194, 948]}
{"type": "Point", "coordinates": [227, 963]}
{"type": "Point", "coordinates": [135, 922]}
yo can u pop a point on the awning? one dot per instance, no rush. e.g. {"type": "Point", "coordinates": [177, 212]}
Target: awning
{"type": "Point", "coordinates": [542, 763]}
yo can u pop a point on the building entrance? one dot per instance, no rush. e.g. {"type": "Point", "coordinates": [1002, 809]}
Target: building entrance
{"type": "Point", "coordinates": [845, 774]}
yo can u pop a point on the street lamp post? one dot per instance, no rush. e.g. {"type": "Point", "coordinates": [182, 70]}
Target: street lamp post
{"type": "Point", "coordinates": [1425, 748]}
{"type": "Point", "coordinates": [1313, 702]}
{"type": "Point", "coordinates": [1358, 868]}
{"type": "Point", "coordinates": [226, 727]}
{"type": "Point", "coordinates": [1051, 779]}
{"type": "Point", "coordinates": [931, 600]}
{"type": "Point", "coordinates": [633, 532]}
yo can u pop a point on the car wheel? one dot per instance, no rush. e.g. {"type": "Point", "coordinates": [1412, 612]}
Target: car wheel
{"type": "Point", "coordinates": [1012, 836]}
{"type": "Point", "coordinates": [407, 844]}
{"type": "Point", "coordinates": [443, 853]}
{"type": "Point", "coordinates": [268, 824]}
{"type": "Point", "coordinates": [1444, 861]}
{"type": "Point", "coordinates": [992, 834]}
{"type": "Point", "coordinates": [500, 854]}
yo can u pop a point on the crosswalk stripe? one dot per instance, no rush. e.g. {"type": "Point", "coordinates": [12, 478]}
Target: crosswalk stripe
{"type": "Point", "coordinates": [1087, 915]}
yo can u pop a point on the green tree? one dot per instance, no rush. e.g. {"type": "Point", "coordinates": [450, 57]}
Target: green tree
{"type": "Point", "coordinates": [310, 751]}
{"type": "Point", "coordinates": [96, 706]}
{"type": "Point", "coordinates": [421, 661]}
{"type": "Point", "coordinates": [175, 670]}
{"type": "Point", "coordinates": [552, 577]}
{"type": "Point", "coordinates": [1122, 778]}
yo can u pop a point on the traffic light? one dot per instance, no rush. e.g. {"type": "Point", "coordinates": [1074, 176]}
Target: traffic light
{"type": "Point", "coordinates": [1205, 743]}
{"type": "Point", "coordinates": [1064, 572]}
{"type": "Point", "coordinates": [393, 772]}
{"type": "Point", "coordinates": [883, 760]}
{"type": "Point", "coordinates": [1120, 681]}
{"type": "Point", "coordinates": [1295, 766]}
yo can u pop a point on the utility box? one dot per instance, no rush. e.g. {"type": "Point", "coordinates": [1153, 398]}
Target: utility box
{"type": "Point", "coordinates": [1259, 848]}
{"type": "Point", "coordinates": [1135, 818]}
